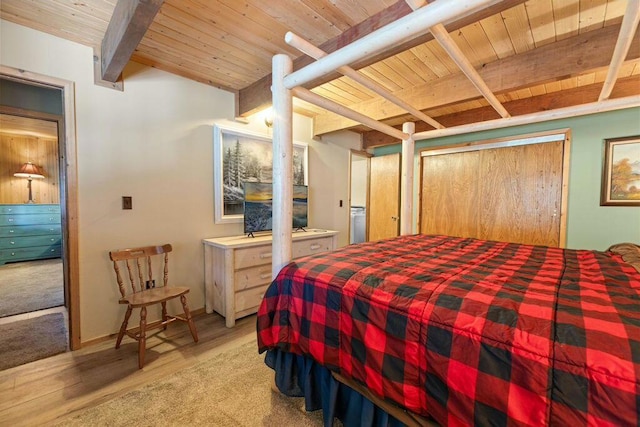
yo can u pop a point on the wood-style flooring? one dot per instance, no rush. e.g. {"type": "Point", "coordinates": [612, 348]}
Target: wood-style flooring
{"type": "Point", "coordinates": [44, 391]}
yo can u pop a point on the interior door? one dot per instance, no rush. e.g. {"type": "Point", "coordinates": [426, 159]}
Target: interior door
{"type": "Point", "coordinates": [384, 197]}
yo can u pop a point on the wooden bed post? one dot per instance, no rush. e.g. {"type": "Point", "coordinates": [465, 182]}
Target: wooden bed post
{"type": "Point", "coordinates": [282, 164]}
{"type": "Point", "coordinates": [406, 185]}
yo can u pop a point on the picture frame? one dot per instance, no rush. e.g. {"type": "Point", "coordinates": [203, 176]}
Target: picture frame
{"type": "Point", "coordinates": [243, 155]}
{"type": "Point", "coordinates": [621, 172]}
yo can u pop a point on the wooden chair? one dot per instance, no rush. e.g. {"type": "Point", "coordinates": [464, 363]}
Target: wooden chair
{"type": "Point", "coordinates": [143, 293]}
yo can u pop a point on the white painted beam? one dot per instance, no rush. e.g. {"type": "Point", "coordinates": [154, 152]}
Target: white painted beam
{"type": "Point", "coordinates": [282, 165]}
{"type": "Point", "coordinates": [560, 113]}
{"type": "Point", "coordinates": [334, 107]}
{"type": "Point", "coordinates": [315, 52]}
{"type": "Point", "coordinates": [406, 180]}
{"type": "Point", "coordinates": [399, 31]}
{"type": "Point", "coordinates": [628, 29]}
{"type": "Point", "coordinates": [450, 46]}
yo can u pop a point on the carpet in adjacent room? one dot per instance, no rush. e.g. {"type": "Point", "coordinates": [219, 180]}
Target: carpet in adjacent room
{"type": "Point", "coordinates": [32, 339]}
{"type": "Point", "coordinates": [30, 286]}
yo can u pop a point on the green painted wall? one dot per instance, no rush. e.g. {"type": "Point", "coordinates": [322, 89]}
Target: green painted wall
{"type": "Point", "coordinates": [589, 225]}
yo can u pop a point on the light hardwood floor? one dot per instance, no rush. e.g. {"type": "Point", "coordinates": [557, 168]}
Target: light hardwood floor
{"type": "Point", "coordinates": [41, 392]}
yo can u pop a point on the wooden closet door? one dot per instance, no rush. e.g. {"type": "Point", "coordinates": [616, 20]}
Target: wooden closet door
{"type": "Point", "coordinates": [450, 194]}
{"type": "Point", "coordinates": [520, 189]}
{"type": "Point", "coordinates": [384, 197]}
{"type": "Point", "coordinates": [511, 194]}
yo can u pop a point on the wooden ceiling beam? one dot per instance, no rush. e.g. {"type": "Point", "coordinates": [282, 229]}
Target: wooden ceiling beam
{"type": "Point", "coordinates": [552, 62]}
{"type": "Point", "coordinates": [258, 95]}
{"type": "Point", "coordinates": [567, 98]}
{"type": "Point", "coordinates": [128, 24]}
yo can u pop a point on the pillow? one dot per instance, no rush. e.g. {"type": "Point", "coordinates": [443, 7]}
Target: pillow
{"type": "Point", "coordinates": [630, 253]}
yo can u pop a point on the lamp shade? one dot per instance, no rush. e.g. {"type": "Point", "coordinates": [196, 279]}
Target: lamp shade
{"type": "Point", "coordinates": [29, 170]}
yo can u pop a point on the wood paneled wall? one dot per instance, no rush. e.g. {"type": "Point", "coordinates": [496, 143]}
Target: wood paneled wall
{"type": "Point", "coordinates": [18, 149]}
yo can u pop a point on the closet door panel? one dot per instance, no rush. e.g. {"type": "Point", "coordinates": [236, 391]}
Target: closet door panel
{"type": "Point", "coordinates": [511, 193]}
{"type": "Point", "coordinates": [520, 189]}
{"type": "Point", "coordinates": [450, 194]}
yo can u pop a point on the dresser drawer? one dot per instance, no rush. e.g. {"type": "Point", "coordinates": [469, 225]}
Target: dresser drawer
{"type": "Point", "coordinates": [309, 247]}
{"type": "Point", "coordinates": [251, 277]}
{"type": "Point", "coordinates": [29, 209]}
{"type": "Point", "coordinates": [29, 219]}
{"type": "Point", "coordinates": [30, 230]}
{"type": "Point", "coordinates": [251, 257]}
{"type": "Point", "coordinates": [20, 254]}
{"type": "Point", "coordinates": [249, 298]}
{"type": "Point", "coordinates": [25, 242]}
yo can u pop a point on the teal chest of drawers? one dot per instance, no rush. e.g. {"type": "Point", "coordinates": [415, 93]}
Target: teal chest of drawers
{"type": "Point", "coordinates": [29, 232]}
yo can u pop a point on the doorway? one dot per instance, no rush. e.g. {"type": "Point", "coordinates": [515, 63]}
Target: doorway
{"type": "Point", "coordinates": [358, 196]}
{"type": "Point", "coordinates": [28, 97]}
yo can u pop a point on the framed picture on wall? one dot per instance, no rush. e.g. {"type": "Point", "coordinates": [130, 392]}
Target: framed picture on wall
{"type": "Point", "coordinates": [240, 156]}
{"type": "Point", "coordinates": [621, 172]}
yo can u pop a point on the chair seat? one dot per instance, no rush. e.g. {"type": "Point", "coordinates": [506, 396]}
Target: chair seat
{"type": "Point", "coordinates": [154, 295]}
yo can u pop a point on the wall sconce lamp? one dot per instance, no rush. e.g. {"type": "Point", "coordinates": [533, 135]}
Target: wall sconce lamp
{"type": "Point", "coordinates": [29, 171]}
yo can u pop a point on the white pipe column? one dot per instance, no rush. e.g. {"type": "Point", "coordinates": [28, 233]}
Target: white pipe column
{"type": "Point", "coordinates": [282, 165]}
{"type": "Point", "coordinates": [406, 181]}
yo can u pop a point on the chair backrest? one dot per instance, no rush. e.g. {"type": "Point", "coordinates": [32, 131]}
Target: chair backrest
{"type": "Point", "coordinates": [139, 267]}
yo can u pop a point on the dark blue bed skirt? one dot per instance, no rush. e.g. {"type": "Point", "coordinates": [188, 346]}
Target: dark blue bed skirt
{"type": "Point", "coordinates": [299, 376]}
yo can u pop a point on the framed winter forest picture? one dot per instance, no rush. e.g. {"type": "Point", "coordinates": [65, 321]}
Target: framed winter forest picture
{"type": "Point", "coordinates": [240, 156]}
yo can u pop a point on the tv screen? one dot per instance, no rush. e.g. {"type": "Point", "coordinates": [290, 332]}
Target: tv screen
{"type": "Point", "coordinates": [258, 209]}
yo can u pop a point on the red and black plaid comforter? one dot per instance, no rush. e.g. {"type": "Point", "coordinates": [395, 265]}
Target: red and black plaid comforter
{"type": "Point", "coordinates": [469, 331]}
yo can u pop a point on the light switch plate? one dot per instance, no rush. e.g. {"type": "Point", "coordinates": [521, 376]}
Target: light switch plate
{"type": "Point", "coordinates": [127, 203]}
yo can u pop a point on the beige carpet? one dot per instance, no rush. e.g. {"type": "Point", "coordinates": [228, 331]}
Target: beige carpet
{"type": "Point", "coordinates": [32, 339]}
{"type": "Point", "coordinates": [231, 389]}
{"type": "Point", "coordinates": [30, 286]}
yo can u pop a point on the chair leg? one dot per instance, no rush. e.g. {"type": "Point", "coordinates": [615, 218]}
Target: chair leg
{"type": "Point", "coordinates": [123, 327]}
{"type": "Point", "coordinates": [142, 341]}
{"type": "Point", "coordinates": [187, 315]}
{"type": "Point", "coordinates": [164, 315]}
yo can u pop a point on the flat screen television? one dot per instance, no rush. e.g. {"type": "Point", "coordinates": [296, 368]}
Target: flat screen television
{"type": "Point", "coordinates": [258, 209]}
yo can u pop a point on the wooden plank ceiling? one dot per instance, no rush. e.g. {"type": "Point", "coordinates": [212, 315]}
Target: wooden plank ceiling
{"type": "Point", "coordinates": [532, 54]}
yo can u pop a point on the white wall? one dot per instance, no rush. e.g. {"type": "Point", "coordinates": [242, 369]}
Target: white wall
{"type": "Point", "coordinates": [154, 142]}
{"type": "Point", "coordinates": [359, 181]}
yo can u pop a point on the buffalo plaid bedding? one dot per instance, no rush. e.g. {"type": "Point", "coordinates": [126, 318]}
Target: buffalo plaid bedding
{"type": "Point", "coordinates": [469, 331]}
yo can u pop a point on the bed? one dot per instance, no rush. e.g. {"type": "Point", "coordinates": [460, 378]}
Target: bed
{"type": "Point", "coordinates": [461, 331]}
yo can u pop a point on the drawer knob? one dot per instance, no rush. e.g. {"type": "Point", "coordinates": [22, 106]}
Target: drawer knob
{"type": "Point", "coordinates": [13, 243]}
{"type": "Point", "coordinates": [265, 255]}
{"type": "Point", "coordinates": [52, 239]}
{"type": "Point", "coordinates": [13, 253]}
{"type": "Point", "coordinates": [315, 246]}
{"type": "Point", "coordinates": [10, 219]}
{"type": "Point", "coordinates": [265, 276]}
{"type": "Point", "coordinates": [51, 219]}
{"type": "Point", "coordinates": [10, 210]}
{"type": "Point", "coordinates": [11, 231]}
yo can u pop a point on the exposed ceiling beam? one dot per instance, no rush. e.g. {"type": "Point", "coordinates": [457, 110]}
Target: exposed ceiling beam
{"type": "Point", "coordinates": [317, 53]}
{"type": "Point", "coordinates": [567, 98]}
{"type": "Point", "coordinates": [552, 62]}
{"type": "Point", "coordinates": [627, 30]}
{"type": "Point", "coordinates": [450, 46]}
{"type": "Point", "coordinates": [258, 95]}
{"type": "Point", "coordinates": [127, 26]}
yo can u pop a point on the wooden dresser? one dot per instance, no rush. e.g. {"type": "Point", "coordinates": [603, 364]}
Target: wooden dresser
{"type": "Point", "coordinates": [238, 269]}
{"type": "Point", "coordinates": [29, 232]}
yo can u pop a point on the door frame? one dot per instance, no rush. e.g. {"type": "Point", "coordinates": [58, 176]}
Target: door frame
{"type": "Point", "coordinates": [68, 189]}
